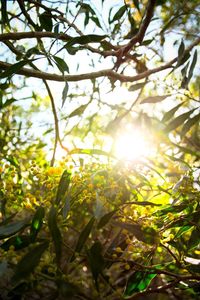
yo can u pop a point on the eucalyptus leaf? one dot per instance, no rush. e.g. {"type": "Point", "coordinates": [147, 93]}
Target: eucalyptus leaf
{"type": "Point", "coordinates": [29, 262]}
{"type": "Point", "coordinates": [154, 99]}
{"type": "Point", "coordinates": [55, 232]}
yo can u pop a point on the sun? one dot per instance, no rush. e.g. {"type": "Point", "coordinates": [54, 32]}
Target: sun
{"type": "Point", "coordinates": [132, 146]}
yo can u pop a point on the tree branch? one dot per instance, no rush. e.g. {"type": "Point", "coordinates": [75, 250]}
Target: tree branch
{"type": "Point", "coordinates": [138, 38]}
{"type": "Point", "coordinates": [93, 75]}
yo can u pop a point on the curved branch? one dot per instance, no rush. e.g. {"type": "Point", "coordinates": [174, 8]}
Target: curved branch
{"type": "Point", "coordinates": [14, 36]}
{"type": "Point", "coordinates": [93, 75]}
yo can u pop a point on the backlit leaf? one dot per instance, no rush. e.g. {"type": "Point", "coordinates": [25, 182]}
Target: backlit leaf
{"type": "Point", "coordinates": [119, 14]}
{"type": "Point", "coordinates": [138, 282]}
{"type": "Point", "coordinates": [37, 222]}
{"type": "Point", "coordinates": [137, 86]}
{"type": "Point", "coordinates": [154, 99]}
{"type": "Point", "coordinates": [168, 115]}
{"type": "Point", "coordinates": [105, 219]}
{"type": "Point", "coordinates": [13, 69]}
{"type": "Point", "coordinates": [86, 39]}
{"type": "Point", "coordinates": [64, 93]}
{"type": "Point", "coordinates": [96, 261]}
{"type": "Point", "coordinates": [55, 232]}
{"type": "Point", "coordinates": [19, 242]}
{"type": "Point", "coordinates": [84, 236]}
{"type": "Point", "coordinates": [178, 120]}
{"type": "Point", "coordinates": [12, 228]}
{"type": "Point", "coordinates": [63, 186]}
{"type": "Point", "coordinates": [189, 123]}
{"type": "Point", "coordinates": [145, 234]}
{"type": "Point", "coordinates": [89, 152]}
{"type": "Point", "coordinates": [61, 64]}
{"type": "Point", "coordinates": [78, 111]}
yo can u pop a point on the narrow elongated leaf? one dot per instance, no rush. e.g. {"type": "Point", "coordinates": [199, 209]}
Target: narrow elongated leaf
{"type": "Point", "coordinates": [46, 21]}
{"type": "Point", "coordinates": [28, 263]}
{"type": "Point", "coordinates": [105, 219]}
{"type": "Point", "coordinates": [8, 102]}
{"type": "Point", "coordinates": [86, 39]}
{"type": "Point", "coordinates": [63, 186]}
{"type": "Point", "coordinates": [84, 236]}
{"type": "Point", "coordinates": [89, 152]}
{"type": "Point", "coordinates": [145, 234]}
{"type": "Point", "coordinates": [37, 222]}
{"type": "Point", "coordinates": [12, 228]}
{"type": "Point", "coordinates": [191, 122]}
{"type": "Point", "coordinates": [137, 86]}
{"type": "Point", "coordinates": [119, 14]}
{"type": "Point", "coordinates": [154, 99]}
{"type": "Point", "coordinates": [55, 232]}
{"type": "Point", "coordinates": [78, 111]}
{"type": "Point", "coordinates": [61, 64]}
{"type": "Point", "coordinates": [182, 230]}
{"type": "Point", "coordinates": [178, 120]}
{"type": "Point", "coordinates": [138, 282]}
{"type": "Point", "coordinates": [194, 61]}
{"type": "Point", "coordinates": [13, 69]}
{"type": "Point", "coordinates": [194, 239]}
{"type": "Point", "coordinates": [181, 50]}
{"type": "Point", "coordinates": [19, 242]}
{"type": "Point", "coordinates": [168, 115]}
{"type": "Point", "coordinates": [96, 261]}
{"type": "Point", "coordinates": [64, 93]}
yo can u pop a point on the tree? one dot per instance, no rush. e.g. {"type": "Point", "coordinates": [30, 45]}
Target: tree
{"type": "Point", "coordinates": [105, 226]}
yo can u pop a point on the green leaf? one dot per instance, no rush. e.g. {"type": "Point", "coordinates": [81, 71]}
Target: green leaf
{"type": "Point", "coordinates": [154, 99]}
{"type": "Point", "coordinates": [105, 219]}
{"type": "Point", "coordinates": [19, 242]}
{"type": "Point", "coordinates": [46, 21]}
{"type": "Point", "coordinates": [168, 115]}
{"type": "Point", "coordinates": [194, 239]}
{"type": "Point", "coordinates": [61, 64]}
{"type": "Point", "coordinates": [84, 236]}
{"type": "Point", "coordinates": [37, 222]}
{"type": "Point", "coordinates": [119, 14]}
{"type": "Point", "coordinates": [63, 186]}
{"type": "Point", "coordinates": [194, 61]}
{"type": "Point", "coordinates": [13, 69]}
{"type": "Point", "coordinates": [182, 230]}
{"type": "Point", "coordinates": [179, 120]}
{"type": "Point", "coordinates": [89, 152]}
{"type": "Point", "coordinates": [28, 263]}
{"type": "Point", "coordinates": [170, 208]}
{"type": "Point", "coordinates": [138, 282]}
{"type": "Point", "coordinates": [55, 233]}
{"type": "Point", "coordinates": [8, 102]}
{"type": "Point", "coordinates": [145, 234]}
{"type": "Point", "coordinates": [78, 111]}
{"type": "Point", "coordinates": [181, 50]}
{"type": "Point", "coordinates": [86, 39]}
{"type": "Point", "coordinates": [188, 124]}
{"type": "Point", "coordinates": [96, 261]}
{"type": "Point", "coordinates": [64, 93]}
{"type": "Point", "coordinates": [12, 228]}
{"type": "Point", "coordinates": [137, 86]}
